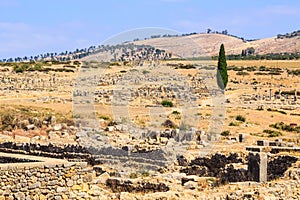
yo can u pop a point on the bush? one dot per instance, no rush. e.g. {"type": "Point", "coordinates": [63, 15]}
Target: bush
{"type": "Point", "coordinates": [275, 110]}
{"type": "Point", "coordinates": [76, 62]}
{"type": "Point", "coordinates": [285, 127]}
{"type": "Point", "coordinates": [114, 64]}
{"type": "Point", "coordinates": [175, 112]}
{"type": "Point", "coordinates": [272, 133]}
{"type": "Point", "coordinates": [133, 175]}
{"type": "Point", "coordinates": [145, 72]}
{"type": "Point", "coordinates": [225, 133]}
{"type": "Point", "coordinates": [242, 73]}
{"type": "Point", "coordinates": [166, 103]}
{"type": "Point", "coordinates": [234, 124]}
{"type": "Point", "coordinates": [240, 118]}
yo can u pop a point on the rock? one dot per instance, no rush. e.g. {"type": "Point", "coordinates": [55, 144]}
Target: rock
{"type": "Point", "coordinates": [70, 183]}
{"type": "Point", "coordinates": [53, 120]}
{"type": "Point", "coordinates": [119, 127]}
{"type": "Point", "coordinates": [19, 196]}
{"type": "Point", "coordinates": [34, 186]}
{"type": "Point", "coordinates": [164, 140]}
{"type": "Point", "coordinates": [72, 195]}
{"type": "Point", "coordinates": [65, 134]}
{"type": "Point", "coordinates": [81, 134]}
{"type": "Point", "coordinates": [52, 183]}
{"type": "Point", "coordinates": [57, 198]}
{"type": "Point", "coordinates": [190, 185]}
{"type": "Point", "coordinates": [53, 136]}
{"type": "Point", "coordinates": [10, 197]}
{"type": "Point", "coordinates": [21, 139]}
{"type": "Point", "coordinates": [82, 194]}
{"type": "Point", "coordinates": [61, 189]}
{"type": "Point", "coordinates": [57, 127]}
{"type": "Point", "coordinates": [103, 178]}
{"type": "Point", "coordinates": [110, 128]}
{"type": "Point", "coordinates": [88, 178]}
{"type": "Point", "coordinates": [85, 187]}
{"type": "Point", "coordinates": [182, 161]}
{"type": "Point", "coordinates": [43, 197]}
{"type": "Point", "coordinates": [30, 127]}
{"type": "Point", "coordinates": [95, 190]}
{"type": "Point", "coordinates": [76, 187]}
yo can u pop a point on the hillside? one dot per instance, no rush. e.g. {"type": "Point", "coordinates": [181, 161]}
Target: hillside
{"type": "Point", "coordinates": [208, 44]}
{"type": "Point", "coordinates": [186, 45]}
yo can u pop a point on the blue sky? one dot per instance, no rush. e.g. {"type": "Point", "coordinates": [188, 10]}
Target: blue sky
{"type": "Point", "coordinates": [30, 27]}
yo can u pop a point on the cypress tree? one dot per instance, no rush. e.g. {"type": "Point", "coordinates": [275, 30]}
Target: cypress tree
{"type": "Point", "coordinates": [222, 76]}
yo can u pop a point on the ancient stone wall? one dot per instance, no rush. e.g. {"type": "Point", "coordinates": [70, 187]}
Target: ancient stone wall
{"type": "Point", "coordinates": [46, 181]}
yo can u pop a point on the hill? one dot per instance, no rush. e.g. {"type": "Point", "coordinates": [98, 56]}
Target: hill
{"type": "Point", "coordinates": [208, 44]}
{"type": "Point", "coordinates": [185, 45]}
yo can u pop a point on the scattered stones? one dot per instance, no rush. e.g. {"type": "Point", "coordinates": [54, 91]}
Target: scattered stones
{"type": "Point", "coordinates": [119, 185]}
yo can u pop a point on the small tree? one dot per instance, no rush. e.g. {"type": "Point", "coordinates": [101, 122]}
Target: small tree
{"type": "Point", "coordinates": [222, 76]}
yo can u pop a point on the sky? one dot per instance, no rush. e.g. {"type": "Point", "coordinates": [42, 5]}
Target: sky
{"type": "Point", "coordinates": [31, 27]}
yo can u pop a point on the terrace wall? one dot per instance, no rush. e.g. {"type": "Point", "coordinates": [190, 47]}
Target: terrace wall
{"type": "Point", "coordinates": [49, 179]}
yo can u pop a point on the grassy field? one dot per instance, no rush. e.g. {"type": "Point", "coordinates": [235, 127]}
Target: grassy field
{"type": "Point", "coordinates": [268, 63]}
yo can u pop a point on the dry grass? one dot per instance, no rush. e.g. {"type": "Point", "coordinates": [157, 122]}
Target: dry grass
{"type": "Point", "coordinates": [290, 64]}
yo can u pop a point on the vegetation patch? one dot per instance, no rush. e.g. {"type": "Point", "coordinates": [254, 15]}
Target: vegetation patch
{"type": "Point", "coordinates": [240, 118]}
{"type": "Point", "coordinates": [285, 127]}
{"type": "Point", "coordinates": [242, 74]}
{"type": "Point", "coordinates": [234, 124]}
{"type": "Point", "coordinates": [275, 110]}
{"type": "Point", "coordinates": [166, 103]}
{"type": "Point", "coordinates": [225, 133]}
{"type": "Point", "coordinates": [272, 133]}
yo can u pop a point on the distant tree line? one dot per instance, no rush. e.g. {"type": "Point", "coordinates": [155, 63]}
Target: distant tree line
{"type": "Point", "coordinates": [74, 55]}
{"type": "Point", "coordinates": [249, 55]}
{"type": "Point", "coordinates": [270, 56]}
{"type": "Point", "coordinates": [289, 35]}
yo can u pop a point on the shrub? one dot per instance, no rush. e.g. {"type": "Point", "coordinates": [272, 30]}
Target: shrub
{"type": "Point", "coordinates": [272, 133]}
{"type": "Point", "coordinates": [175, 112]}
{"type": "Point", "coordinates": [166, 103]}
{"type": "Point", "coordinates": [240, 118]}
{"type": "Point", "coordinates": [234, 124]}
{"type": "Point", "coordinates": [114, 64]}
{"type": "Point", "coordinates": [133, 175]}
{"type": "Point", "coordinates": [76, 62]}
{"type": "Point", "coordinates": [285, 127]}
{"type": "Point", "coordinates": [242, 73]}
{"type": "Point", "coordinates": [145, 72]}
{"type": "Point", "coordinates": [104, 117]}
{"type": "Point", "coordinates": [275, 110]}
{"type": "Point", "coordinates": [225, 133]}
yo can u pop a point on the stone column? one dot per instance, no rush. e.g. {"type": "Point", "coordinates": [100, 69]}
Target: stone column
{"type": "Point", "coordinates": [257, 167]}
{"type": "Point", "coordinates": [263, 165]}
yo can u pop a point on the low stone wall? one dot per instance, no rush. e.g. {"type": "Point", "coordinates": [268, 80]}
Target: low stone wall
{"type": "Point", "coordinates": [48, 179]}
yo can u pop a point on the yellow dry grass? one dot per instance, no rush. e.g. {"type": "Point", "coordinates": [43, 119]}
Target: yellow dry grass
{"type": "Point", "coordinates": [268, 63]}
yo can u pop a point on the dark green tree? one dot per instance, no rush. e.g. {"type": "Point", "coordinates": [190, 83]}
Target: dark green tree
{"type": "Point", "coordinates": [222, 75]}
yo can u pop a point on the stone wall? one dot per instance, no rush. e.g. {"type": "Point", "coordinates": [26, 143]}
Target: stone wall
{"type": "Point", "coordinates": [47, 181]}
